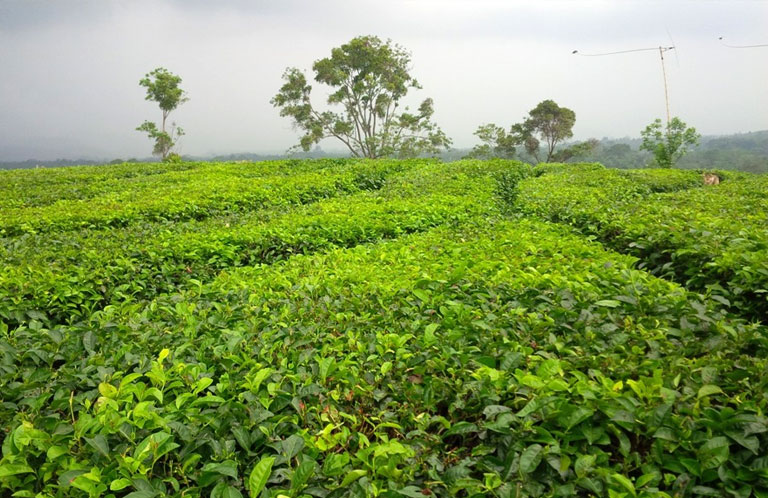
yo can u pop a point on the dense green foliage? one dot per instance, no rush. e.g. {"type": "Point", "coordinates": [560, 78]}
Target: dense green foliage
{"type": "Point", "coordinates": [712, 239]}
{"type": "Point", "coordinates": [179, 194]}
{"type": "Point", "coordinates": [402, 331]}
{"type": "Point", "coordinates": [668, 144]}
{"type": "Point", "coordinates": [547, 122]}
{"type": "Point", "coordinates": [369, 79]}
{"type": "Point", "coordinates": [741, 152]}
{"type": "Point", "coordinates": [70, 276]}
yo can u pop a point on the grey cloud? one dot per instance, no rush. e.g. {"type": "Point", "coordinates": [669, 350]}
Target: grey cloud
{"type": "Point", "coordinates": [71, 68]}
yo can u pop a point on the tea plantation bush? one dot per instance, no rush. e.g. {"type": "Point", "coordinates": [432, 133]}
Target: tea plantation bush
{"type": "Point", "coordinates": [191, 194]}
{"type": "Point", "coordinates": [712, 239]}
{"type": "Point", "coordinates": [59, 278]}
{"type": "Point", "coordinates": [406, 338]}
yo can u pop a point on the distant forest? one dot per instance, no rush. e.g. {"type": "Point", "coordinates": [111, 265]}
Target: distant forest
{"type": "Point", "coordinates": [743, 152]}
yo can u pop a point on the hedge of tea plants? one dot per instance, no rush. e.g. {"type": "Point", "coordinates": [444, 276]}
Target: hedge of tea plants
{"type": "Point", "coordinates": [712, 239]}
{"type": "Point", "coordinates": [413, 339]}
{"type": "Point", "coordinates": [59, 277]}
{"type": "Point", "coordinates": [176, 195]}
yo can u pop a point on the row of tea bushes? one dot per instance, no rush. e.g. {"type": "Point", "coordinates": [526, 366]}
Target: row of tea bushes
{"type": "Point", "coordinates": [63, 277]}
{"type": "Point", "coordinates": [43, 186]}
{"type": "Point", "coordinates": [196, 193]}
{"type": "Point", "coordinates": [712, 239]}
{"type": "Point", "coordinates": [493, 358]}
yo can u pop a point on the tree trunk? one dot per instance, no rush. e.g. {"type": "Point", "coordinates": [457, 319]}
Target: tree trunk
{"type": "Point", "coordinates": [164, 149]}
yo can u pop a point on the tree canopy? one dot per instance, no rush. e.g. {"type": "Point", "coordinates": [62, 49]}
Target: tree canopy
{"type": "Point", "coordinates": [368, 78]}
{"type": "Point", "coordinates": [547, 122]}
{"type": "Point", "coordinates": [670, 144]}
{"type": "Point", "coordinates": [496, 142]}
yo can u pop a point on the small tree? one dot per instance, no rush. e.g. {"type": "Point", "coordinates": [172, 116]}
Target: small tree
{"type": "Point", "coordinates": [496, 142]}
{"type": "Point", "coordinates": [575, 151]}
{"type": "Point", "coordinates": [369, 79]}
{"type": "Point", "coordinates": [547, 122]}
{"type": "Point", "coordinates": [163, 87]}
{"type": "Point", "coordinates": [668, 146]}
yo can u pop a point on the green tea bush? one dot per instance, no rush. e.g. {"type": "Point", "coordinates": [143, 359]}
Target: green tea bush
{"type": "Point", "coordinates": [546, 168]}
{"type": "Point", "coordinates": [492, 358]}
{"type": "Point", "coordinates": [63, 278]}
{"type": "Point", "coordinates": [399, 335]}
{"type": "Point", "coordinates": [195, 193]}
{"type": "Point", "coordinates": [711, 239]}
{"type": "Point", "coordinates": [508, 180]}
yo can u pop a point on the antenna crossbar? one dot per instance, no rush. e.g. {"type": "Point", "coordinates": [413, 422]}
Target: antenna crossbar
{"type": "Point", "coordinates": [661, 50]}
{"type": "Point", "coordinates": [576, 52]}
{"type": "Point", "coordinates": [741, 46]}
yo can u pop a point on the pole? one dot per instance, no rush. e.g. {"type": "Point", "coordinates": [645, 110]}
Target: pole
{"type": "Point", "coordinates": [664, 73]}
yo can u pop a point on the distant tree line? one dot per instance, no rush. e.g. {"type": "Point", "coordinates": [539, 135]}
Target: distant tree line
{"type": "Point", "coordinates": [541, 134]}
{"type": "Point", "coordinates": [742, 152]}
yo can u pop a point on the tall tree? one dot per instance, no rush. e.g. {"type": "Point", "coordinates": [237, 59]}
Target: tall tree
{"type": "Point", "coordinates": [667, 146]}
{"type": "Point", "coordinates": [369, 78]}
{"type": "Point", "coordinates": [547, 122]}
{"type": "Point", "coordinates": [163, 87]}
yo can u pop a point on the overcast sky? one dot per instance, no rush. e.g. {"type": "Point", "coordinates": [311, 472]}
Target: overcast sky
{"type": "Point", "coordinates": [69, 69]}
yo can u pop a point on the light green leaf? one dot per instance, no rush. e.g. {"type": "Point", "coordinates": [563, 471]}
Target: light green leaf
{"type": "Point", "coordinates": [107, 390]}
{"type": "Point", "coordinates": [625, 483]}
{"type": "Point", "coordinates": [584, 464]}
{"type": "Point", "coordinates": [12, 469]}
{"type": "Point", "coordinates": [334, 464]}
{"type": "Point", "coordinates": [259, 476]}
{"type": "Point", "coordinates": [55, 452]}
{"type": "Point", "coordinates": [302, 474]}
{"type": "Point", "coordinates": [227, 468]}
{"type": "Point", "coordinates": [648, 478]}
{"type": "Point", "coordinates": [119, 484]}
{"type": "Point", "coordinates": [608, 303]}
{"type": "Point", "coordinates": [163, 355]}
{"type": "Point", "coordinates": [386, 367]}
{"type": "Point", "coordinates": [421, 294]}
{"type": "Point", "coordinates": [352, 476]}
{"type": "Point", "coordinates": [708, 390]}
{"type": "Point", "coordinates": [429, 333]}
{"type": "Point", "coordinates": [259, 378]}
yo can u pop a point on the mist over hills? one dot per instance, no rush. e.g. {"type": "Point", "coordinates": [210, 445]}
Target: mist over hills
{"type": "Point", "coordinates": [741, 151]}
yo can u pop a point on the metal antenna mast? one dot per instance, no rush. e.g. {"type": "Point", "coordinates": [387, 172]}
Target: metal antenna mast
{"type": "Point", "coordinates": [664, 73]}
{"type": "Point", "coordinates": [663, 68]}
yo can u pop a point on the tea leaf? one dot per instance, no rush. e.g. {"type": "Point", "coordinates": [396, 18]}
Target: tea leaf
{"type": "Point", "coordinates": [259, 475]}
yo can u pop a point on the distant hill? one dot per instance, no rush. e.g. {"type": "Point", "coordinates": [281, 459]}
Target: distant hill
{"type": "Point", "coordinates": [742, 152]}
